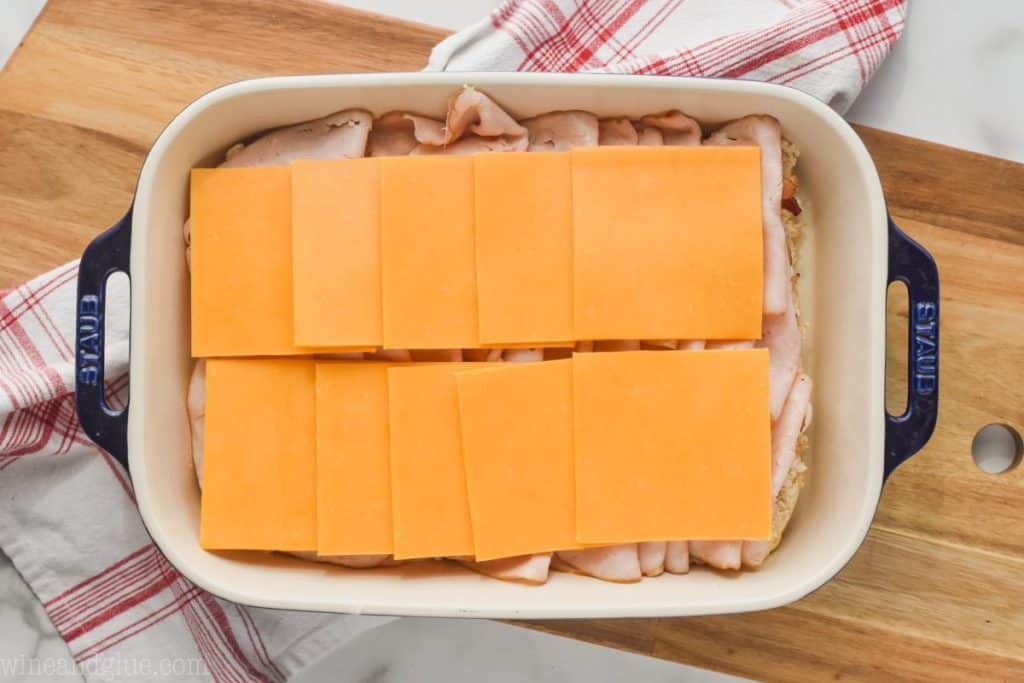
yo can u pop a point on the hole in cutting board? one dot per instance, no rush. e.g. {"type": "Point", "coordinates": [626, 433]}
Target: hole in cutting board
{"type": "Point", "coordinates": [996, 448]}
{"type": "Point", "coordinates": [896, 340]}
{"type": "Point", "coordinates": [117, 311]}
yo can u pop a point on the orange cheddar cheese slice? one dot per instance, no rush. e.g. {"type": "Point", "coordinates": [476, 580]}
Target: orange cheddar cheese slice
{"type": "Point", "coordinates": [430, 510]}
{"type": "Point", "coordinates": [667, 243]}
{"type": "Point", "coordinates": [241, 264]}
{"type": "Point", "coordinates": [428, 258]}
{"type": "Point", "coordinates": [336, 252]}
{"type": "Point", "coordinates": [672, 444]}
{"type": "Point", "coordinates": [516, 424]}
{"type": "Point", "coordinates": [524, 246]}
{"type": "Point", "coordinates": [241, 261]}
{"type": "Point", "coordinates": [259, 473]}
{"type": "Point", "coordinates": [353, 469]}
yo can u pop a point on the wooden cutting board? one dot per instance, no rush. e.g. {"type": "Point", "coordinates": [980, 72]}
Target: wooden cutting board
{"type": "Point", "coordinates": [937, 590]}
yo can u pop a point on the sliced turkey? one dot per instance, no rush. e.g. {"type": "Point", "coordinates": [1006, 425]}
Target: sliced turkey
{"type": "Point", "coordinates": [766, 133]}
{"type": "Point", "coordinates": [526, 568]}
{"type": "Point", "coordinates": [561, 130]}
{"type": "Point", "coordinates": [619, 563]}
{"type": "Point", "coordinates": [338, 136]}
{"type": "Point", "coordinates": [616, 131]}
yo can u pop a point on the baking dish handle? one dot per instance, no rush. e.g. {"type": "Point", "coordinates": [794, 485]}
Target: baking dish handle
{"type": "Point", "coordinates": [106, 254]}
{"type": "Point", "coordinates": [911, 264]}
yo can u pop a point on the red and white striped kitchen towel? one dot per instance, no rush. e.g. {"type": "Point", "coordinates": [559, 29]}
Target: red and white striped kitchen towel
{"type": "Point", "coordinates": [827, 48]}
{"type": "Point", "coordinates": [67, 513]}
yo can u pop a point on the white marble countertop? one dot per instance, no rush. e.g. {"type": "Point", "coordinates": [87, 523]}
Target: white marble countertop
{"type": "Point", "coordinates": [954, 78]}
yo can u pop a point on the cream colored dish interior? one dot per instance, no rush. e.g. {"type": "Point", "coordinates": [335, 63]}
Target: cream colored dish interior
{"type": "Point", "coordinates": [847, 242]}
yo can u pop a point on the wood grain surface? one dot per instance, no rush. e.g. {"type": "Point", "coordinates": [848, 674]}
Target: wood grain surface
{"type": "Point", "coordinates": [937, 590]}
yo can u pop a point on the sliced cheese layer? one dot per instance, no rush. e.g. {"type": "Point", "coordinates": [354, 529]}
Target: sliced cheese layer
{"type": "Point", "coordinates": [667, 243]}
{"type": "Point", "coordinates": [524, 246]}
{"type": "Point", "coordinates": [517, 446]}
{"type": "Point", "coordinates": [241, 264]}
{"type": "Point", "coordinates": [672, 444]}
{"type": "Point", "coordinates": [259, 473]}
{"type": "Point", "coordinates": [428, 263]}
{"type": "Point", "coordinates": [430, 509]}
{"type": "Point", "coordinates": [353, 470]}
{"type": "Point", "coordinates": [336, 252]}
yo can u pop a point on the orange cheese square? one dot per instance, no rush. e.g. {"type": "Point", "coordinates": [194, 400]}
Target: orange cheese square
{"type": "Point", "coordinates": [667, 242]}
{"type": "Point", "coordinates": [517, 446]}
{"type": "Point", "coordinates": [430, 510]}
{"type": "Point", "coordinates": [524, 246]}
{"type": "Point", "coordinates": [672, 444]}
{"type": "Point", "coordinates": [259, 472]}
{"type": "Point", "coordinates": [428, 264]}
{"type": "Point", "coordinates": [336, 252]}
{"type": "Point", "coordinates": [241, 263]}
{"type": "Point", "coordinates": [353, 469]}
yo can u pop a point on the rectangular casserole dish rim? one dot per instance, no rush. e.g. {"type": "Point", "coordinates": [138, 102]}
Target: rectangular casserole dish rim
{"type": "Point", "coordinates": [136, 424]}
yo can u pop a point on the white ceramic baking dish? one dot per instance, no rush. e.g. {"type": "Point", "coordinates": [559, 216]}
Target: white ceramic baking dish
{"type": "Point", "coordinates": [849, 255]}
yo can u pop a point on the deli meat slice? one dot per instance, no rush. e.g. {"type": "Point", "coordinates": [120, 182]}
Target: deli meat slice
{"type": "Point", "coordinates": [350, 561]}
{"type": "Point", "coordinates": [676, 128]}
{"type": "Point", "coordinates": [652, 557]}
{"type": "Point", "coordinates": [766, 133]}
{"type": "Point", "coordinates": [619, 563]}
{"type": "Point", "coordinates": [525, 568]}
{"type": "Point", "coordinates": [340, 135]}
{"type": "Point", "coordinates": [196, 407]}
{"type": "Point", "coordinates": [472, 144]}
{"type": "Point", "coordinates": [787, 430]}
{"type": "Point", "coordinates": [795, 417]}
{"type": "Point", "coordinates": [393, 135]}
{"type": "Point", "coordinates": [677, 557]}
{"type": "Point", "coordinates": [470, 110]}
{"type": "Point", "coordinates": [558, 131]}
{"type": "Point", "coordinates": [616, 131]}
{"type": "Point", "coordinates": [717, 554]}
{"type": "Point", "coordinates": [781, 336]}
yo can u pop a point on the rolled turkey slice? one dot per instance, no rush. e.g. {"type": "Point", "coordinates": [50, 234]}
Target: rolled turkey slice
{"type": "Point", "coordinates": [469, 110]}
{"type": "Point", "coordinates": [675, 128]}
{"type": "Point", "coordinates": [528, 355]}
{"type": "Point", "coordinates": [338, 136]}
{"type": "Point", "coordinates": [558, 131]}
{"type": "Point", "coordinates": [531, 569]}
{"type": "Point", "coordinates": [787, 429]}
{"type": "Point", "coordinates": [794, 420]}
{"type": "Point", "coordinates": [473, 144]}
{"type": "Point", "coordinates": [765, 132]}
{"type": "Point", "coordinates": [350, 561]}
{"type": "Point", "coordinates": [648, 137]}
{"type": "Point", "coordinates": [717, 554]}
{"type": "Point", "coordinates": [616, 131]}
{"type": "Point", "coordinates": [195, 406]}
{"type": "Point", "coordinates": [781, 336]}
{"type": "Point", "coordinates": [659, 344]}
{"type": "Point", "coordinates": [618, 563]}
{"type": "Point", "coordinates": [652, 557]}
{"type": "Point", "coordinates": [677, 557]}
{"type": "Point", "coordinates": [393, 135]}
